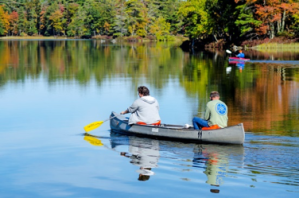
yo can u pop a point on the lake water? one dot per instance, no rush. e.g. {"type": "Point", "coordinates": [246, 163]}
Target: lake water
{"type": "Point", "coordinates": [49, 90]}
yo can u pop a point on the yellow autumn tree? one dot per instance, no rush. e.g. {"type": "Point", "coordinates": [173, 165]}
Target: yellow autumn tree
{"type": "Point", "coordinates": [56, 21]}
{"type": "Point", "coordinates": [4, 21]}
{"type": "Point", "coordinates": [160, 28]}
{"type": "Point", "coordinates": [195, 17]}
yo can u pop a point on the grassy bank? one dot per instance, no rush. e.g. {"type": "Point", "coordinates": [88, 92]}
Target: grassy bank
{"type": "Point", "coordinates": [276, 44]}
{"type": "Point", "coordinates": [278, 47]}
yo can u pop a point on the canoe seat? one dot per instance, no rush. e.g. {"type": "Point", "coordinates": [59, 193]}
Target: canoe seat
{"type": "Point", "coordinates": [211, 127]}
{"type": "Point", "coordinates": [156, 123]}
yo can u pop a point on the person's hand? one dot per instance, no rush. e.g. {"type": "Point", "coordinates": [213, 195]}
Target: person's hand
{"type": "Point", "coordinates": [124, 112]}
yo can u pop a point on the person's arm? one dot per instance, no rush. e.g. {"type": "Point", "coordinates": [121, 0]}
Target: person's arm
{"type": "Point", "coordinates": [124, 112]}
{"type": "Point", "coordinates": [132, 108]}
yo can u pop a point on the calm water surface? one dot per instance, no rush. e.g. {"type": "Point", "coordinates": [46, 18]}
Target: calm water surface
{"type": "Point", "coordinates": [49, 90]}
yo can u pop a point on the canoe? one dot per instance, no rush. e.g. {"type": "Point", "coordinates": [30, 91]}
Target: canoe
{"type": "Point", "coordinates": [229, 135]}
{"type": "Point", "coordinates": [238, 59]}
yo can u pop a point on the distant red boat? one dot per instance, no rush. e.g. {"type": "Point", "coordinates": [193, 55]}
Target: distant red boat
{"type": "Point", "coordinates": [238, 59]}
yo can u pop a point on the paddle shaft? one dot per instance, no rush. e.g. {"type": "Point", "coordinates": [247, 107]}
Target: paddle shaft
{"type": "Point", "coordinates": [109, 118]}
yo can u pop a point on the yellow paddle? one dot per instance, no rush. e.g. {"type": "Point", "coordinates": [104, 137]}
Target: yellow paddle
{"type": "Point", "coordinates": [95, 125]}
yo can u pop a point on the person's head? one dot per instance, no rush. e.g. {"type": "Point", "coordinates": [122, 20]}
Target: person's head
{"type": "Point", "coordinates": [240, 51]}
{"type": "Point", "coordinates": [214, 190]}
{"type": "Point", "coordinates": [214, 95]}
{"type": "Point", "coordinates": [143, 177]}
{"type": "Point", "coordinates": [143, 91]}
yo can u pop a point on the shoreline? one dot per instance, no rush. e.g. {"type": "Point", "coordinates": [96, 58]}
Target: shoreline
{"type": "Point", "coordinates": [270, 46]}
{"type": "Point", "coordinates": [177, 41]}
{"type": "Point", "coordinates": [36, 38]}
{"type": "Point", "coordinates": [139, 39]}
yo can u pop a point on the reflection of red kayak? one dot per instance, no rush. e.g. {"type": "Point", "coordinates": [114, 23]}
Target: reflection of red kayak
{"type": "Point", "coordinates": [238, 59]}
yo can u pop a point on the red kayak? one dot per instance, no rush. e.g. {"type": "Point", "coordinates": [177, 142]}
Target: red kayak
{"type": "Point", "coordinates": [238, 59]}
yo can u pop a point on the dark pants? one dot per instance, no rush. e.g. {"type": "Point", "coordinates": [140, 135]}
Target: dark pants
{"type": "Point", "coordinates": [198, 123]}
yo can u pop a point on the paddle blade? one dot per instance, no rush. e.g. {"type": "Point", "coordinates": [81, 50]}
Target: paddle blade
{"type": "Point", "coordinates": [93, 126]}
{"type": "Point", "coordinates": [229, 52]}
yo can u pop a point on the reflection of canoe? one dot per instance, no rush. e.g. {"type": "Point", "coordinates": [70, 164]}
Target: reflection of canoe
{"type": "Point", "coordinates": [118, 140]}
{"type": "Point", "coordinates": [237, 59]}
{"type": "Point", "coordinates": [230, 135]}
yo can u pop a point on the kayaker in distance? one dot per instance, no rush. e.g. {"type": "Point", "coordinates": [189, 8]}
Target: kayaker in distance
{"type": "Point", "coordinates": [216, 114]}
{"type": "Point", "coordinates": [241, 54]}
{"type": "Point", "coordinates": [144, 110]}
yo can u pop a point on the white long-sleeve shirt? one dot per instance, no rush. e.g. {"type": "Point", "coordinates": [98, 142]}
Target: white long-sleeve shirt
{"type": "Point", "coordinates": [144, 109]}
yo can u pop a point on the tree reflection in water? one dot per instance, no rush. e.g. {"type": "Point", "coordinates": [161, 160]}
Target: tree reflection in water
{"type": "Point", "coordinates": [263, 97]}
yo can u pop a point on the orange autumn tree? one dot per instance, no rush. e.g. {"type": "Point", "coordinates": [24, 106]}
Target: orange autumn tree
{"type": "Point", "coordinates": [288, 10]}
{"type": "Point", "coordinates": [4, 21]}
{"type": "Point", "coordinates": [273, 14]}
{"type": "Point", "coordinates": [13, 20]}
{"type": "Point", "coordinates": [42, 18]}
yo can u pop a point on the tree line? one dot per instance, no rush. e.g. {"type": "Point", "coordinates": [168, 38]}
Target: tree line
{"type": "Point", "coordinates": [197, 19]}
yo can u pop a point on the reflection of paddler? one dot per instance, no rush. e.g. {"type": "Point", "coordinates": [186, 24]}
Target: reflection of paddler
{"type": "Point", "coordinates": [145, 176]}
{"type": "Point", "coordinates": [147, 150]}
{"type": "Point", "coordinates": [215, 158]}
{"type": "Point", "coordinates": [216, 168]}
{"type": "Point", "coordinates": [241, 66]}
{"type": "Point", "coordinates": [145, 154]}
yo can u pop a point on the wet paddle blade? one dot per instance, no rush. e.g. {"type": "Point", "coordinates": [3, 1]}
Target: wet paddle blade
{"type": "Point", "coordinates": [93, 126]}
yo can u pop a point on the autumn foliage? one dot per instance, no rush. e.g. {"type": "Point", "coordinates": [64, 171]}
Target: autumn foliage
{"type": "Point", "coordinates": [273, 15]}
{"type": "Point", "coordinates": [215, 20]}
{"type": "Point", "coordinates": [4, 21]}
